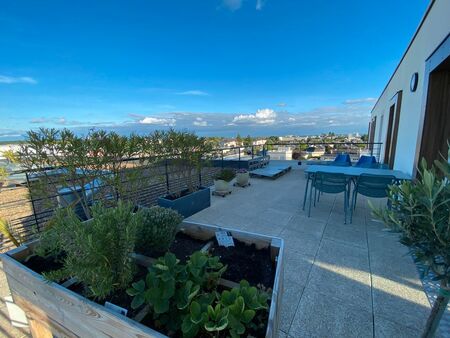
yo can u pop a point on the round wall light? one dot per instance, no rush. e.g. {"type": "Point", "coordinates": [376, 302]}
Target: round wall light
{"type": "Point", "coordinates": [414, 82]}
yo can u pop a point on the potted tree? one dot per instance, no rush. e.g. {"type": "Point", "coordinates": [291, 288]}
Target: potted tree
{"type": "Point", "coordinates": [420, 212]}
{"type": "Point", "coordinates": [79, 170]}
{"type": "Point", "coordinates": [185, 154]}
{"type": "Point", "coordinates": [242, 177]}
{"type": "Point", "coordinates": [222, 181]}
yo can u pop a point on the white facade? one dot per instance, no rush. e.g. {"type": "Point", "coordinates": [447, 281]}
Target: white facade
{"type": "Point", "coordinates": [433, 30]}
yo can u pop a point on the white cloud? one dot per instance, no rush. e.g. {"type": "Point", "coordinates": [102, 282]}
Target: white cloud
{"type": "Point", "coordinates": [259, 4]}
{"type": "Point", "coordinates": [62, 121]}
{"type": "Point", "coordinates": [262, 116]}
{"type": "Point", "coordinates": [158, 121]}
{"type": "Point", "coordinates": [199, 122]}
{"type": "Point", "coordinates": [40, 120]}
{"type": "Point", "coordinates": [361, 100]}
{"type": "Point", "coordinates": [282, 104]}
{"type": "Point", "coordinates": [194, 93]}
{"type": "Point", "coordinates": [232, 5]}
{"type": "Point", "coordinates": [20, 79]}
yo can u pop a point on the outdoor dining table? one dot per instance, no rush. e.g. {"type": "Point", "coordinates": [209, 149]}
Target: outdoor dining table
{"type": "Point", "coordinates": [350, 172]}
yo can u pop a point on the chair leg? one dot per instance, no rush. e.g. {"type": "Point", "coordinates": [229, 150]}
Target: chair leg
{"type": "Point", "coordinates": [352, 204]}
{"type": "Point", "coordinates": [306, 193]}
{"type": "Point", "coordinates": [315, 196]}
{"type": "Point", "coordinates": [310, 197]}
{"type": "Point", "coordinates": [345, 206]}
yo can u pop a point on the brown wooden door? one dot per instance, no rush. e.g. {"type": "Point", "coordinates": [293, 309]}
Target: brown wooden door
{"type": "Point", "coordinates": [392, 130]}
{"type": "Point", "coordinates": [436, 128]}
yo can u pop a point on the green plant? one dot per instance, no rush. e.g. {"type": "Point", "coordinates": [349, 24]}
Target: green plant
{"type": "Point", "coordinates": [7, 231]}
{"type": "Point", "coordinates": [157, 230]}
{"type": "Point", "coordinates": [183, 297]}
{"type": "Point", "coordinates": [420, 212]}
{"type": "Point", "coordinates": [3, 174]}
{"type": "Point", "coordinates": [226, 175]}
{"type": "Point", "coordinates": [10, 156]}
{"type": "Point", "coordinates": [96, 252]}
{"type": "Point", "coordinates": [91, 167]}
{"type": "Point", "coordinates": [185, 151]}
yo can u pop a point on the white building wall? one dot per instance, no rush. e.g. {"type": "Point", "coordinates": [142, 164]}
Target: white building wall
{"type": "Point", "coordinates": [433, 31]}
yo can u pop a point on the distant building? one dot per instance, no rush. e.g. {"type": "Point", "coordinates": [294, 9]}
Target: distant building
{"type": "Point", "coordinates": [412, 116]}
{"type": "Point", "coordinates": [259, 142]}
{"type": "Point", "coordinates": [314, 152]}
{"type": "Point", "coordinates": [228, 144]}
{"type": "Point", "coordinates": [281, 153]}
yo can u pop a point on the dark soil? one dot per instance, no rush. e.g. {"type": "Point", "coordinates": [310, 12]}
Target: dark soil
{"type": "Point", "coordinates": [183, 246]}
{"type": "Point", "coordinates": [246, 262]}
{"type": "Point", "coordinates": [41, 264]}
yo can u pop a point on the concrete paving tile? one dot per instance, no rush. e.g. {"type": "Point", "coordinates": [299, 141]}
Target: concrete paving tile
{"type": "Point", "coordinates": [342, 271]}
{"type": "Point", "coordinates": [263, 228]}
{"type": "Point", "coordinates": [385, 328]}
{"type": "Point", "coordinates": [307, 225]}
{"type": "Point", "coordinates": [351, 234]}
{"type": "Point", "coordinates": [300, 242]}
{"type": "Point", "coordinates": [275, 217]}
{"type": "Point", "coordinates": [342, 254]}
{"type": "Point", "coordinates": [387, 243]}
{"type": "Point", "coordinates": [374, 225]}
{"type": "Point", "coordinates": [319, 315]}
{"type": "Point", "coordinates": [282, 334]}
{"type": "Point", "coordinates": [407, 305]}
{"type": "Point", "coordinates": [320, 212]}
{"type": "Point", "coordinates": [344, 283]}
{"type": "Point", "coordinates": [400, 269]}
{"type": "Point", "coordinates": [297, 267]}
{"type": "Point", "coordinates": [289, 303]}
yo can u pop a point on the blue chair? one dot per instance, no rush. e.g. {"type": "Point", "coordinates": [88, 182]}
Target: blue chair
{"type": "Point", "coordinates": [375, 186]}
{"type": "Point", "coordinates": [332, 184]}
{"type": "Point", "coordinates": [367, 162]}
{"type": "Point", "coordinates": [342, 160]}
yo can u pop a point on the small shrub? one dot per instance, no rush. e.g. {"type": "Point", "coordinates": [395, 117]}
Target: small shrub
{"type": "Point", "coordinates": [183, 299]}
{"type": "Point", "coordinates": [157, 229]}
{"type": "Point", "coordinates": [420, 213]}
{"type": "Point", "coordinates": [96, 252]}
{"type": "Point", "coordinates": [226, 175]}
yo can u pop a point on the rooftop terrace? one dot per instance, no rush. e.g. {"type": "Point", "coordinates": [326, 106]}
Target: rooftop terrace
{"type": "Point", "coordinates": [347, 280]}
{"type": "Point", "coordinates": [343, 280]}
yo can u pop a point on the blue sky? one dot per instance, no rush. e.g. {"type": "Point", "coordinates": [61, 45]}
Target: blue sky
{"type": "Point", "coordinates": [218, 67]}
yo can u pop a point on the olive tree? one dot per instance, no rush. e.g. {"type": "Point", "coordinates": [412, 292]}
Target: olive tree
{"type": "Point", "coordinates": [420, 212]}
{"type": "Point", "coordinates": [184, 150]}
{"type": "Point", "coordinates": [80, 169]}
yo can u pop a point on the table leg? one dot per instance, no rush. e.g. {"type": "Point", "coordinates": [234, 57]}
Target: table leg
{"type": "Point", "coordinates": [306, 191]}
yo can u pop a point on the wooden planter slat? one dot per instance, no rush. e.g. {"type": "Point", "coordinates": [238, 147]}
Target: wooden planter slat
{"type": "Point", "coordinates": [51, 308]}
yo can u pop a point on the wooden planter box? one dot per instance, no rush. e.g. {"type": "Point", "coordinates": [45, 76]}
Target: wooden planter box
{"type": "Point", "coordinates": [52, 309]}
{"type": "Point", "coordinates": [189, 204]}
